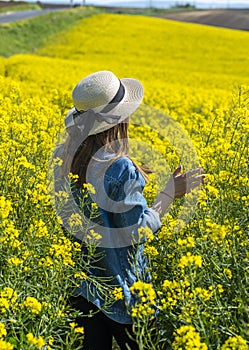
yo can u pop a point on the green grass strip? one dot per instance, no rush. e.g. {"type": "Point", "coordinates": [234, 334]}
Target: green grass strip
{"type": "Point", "coordinates": [22, 7]}
{"type": "Point", "coordinates": [26, 36]}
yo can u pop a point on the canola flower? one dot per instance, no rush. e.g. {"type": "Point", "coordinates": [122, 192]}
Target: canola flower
{"type": "Point", "coordinates": [8, 299]}
{"type": "Point", "coordinates": [145, 306]}
{"type": "Point", "coordinates": [118, 293]}
{"type": "Point", "coordinates": [76, 329]}
{"type": "Point", "coordinates": [199, 267]}
{"type": "Point", "coordinates": [235, 343]}
{"type": "Point", "coordinates": [189, 259]}
{"type": "Point", "coordinates": [33, 304]}
{"type": "Point", "coordinates": [3, 331]}
{"type": "Point", "coordinates": [37, 341]}
{"type": "Point", "coordinates": [187, 338]}
{"type": "Point", "coordinates": [5, 207]}
{"type": "Point", "coordinates": [5, 345]}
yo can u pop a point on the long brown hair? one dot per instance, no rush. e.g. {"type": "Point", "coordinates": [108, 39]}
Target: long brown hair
{"type": "Point", "coordinates": [113, 140]}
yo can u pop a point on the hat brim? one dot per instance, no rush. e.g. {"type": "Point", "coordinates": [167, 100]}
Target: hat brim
{"type": "Point", "coordinates": [133, 96]}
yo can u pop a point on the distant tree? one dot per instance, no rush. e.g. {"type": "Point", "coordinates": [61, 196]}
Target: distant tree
{"type": "Point", "coordinates": [183, 5]}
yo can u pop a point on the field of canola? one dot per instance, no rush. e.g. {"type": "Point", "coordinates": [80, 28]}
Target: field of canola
{"type": "Point", "coordinates": [197, 75]}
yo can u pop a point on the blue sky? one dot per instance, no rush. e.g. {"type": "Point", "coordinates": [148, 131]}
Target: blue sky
{"type": "Point", "coordinates": [181, 1]}
{"type": "Point", "coordinates": [162, 3]}
{"type": "Point", "coordinates": [168, 3]}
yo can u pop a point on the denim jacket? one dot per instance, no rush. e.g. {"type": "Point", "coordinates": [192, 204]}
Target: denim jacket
{"type": "Point", "coordinates": [122, 210]}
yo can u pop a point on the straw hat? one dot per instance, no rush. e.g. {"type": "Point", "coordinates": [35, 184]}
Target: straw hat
{"type": "Point", "coordinates": [101, 96]}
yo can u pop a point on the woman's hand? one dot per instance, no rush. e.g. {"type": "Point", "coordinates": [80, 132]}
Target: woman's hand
{"type": "Point", "coordinates": [177, 186]}
{"type": "Point", "coordinates": [180, 184]}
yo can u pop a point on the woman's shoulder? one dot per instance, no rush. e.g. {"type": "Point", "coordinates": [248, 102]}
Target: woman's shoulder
{"type": "Point", "coordinates": [123, 161]}
{"type": "Point", "coordinates": [123, 169]}
{"type": "Point", "coordinates": [121, 164]}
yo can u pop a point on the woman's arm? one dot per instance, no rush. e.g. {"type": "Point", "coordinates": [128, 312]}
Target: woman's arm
{"type": "Point", "coordinates": [125, 201]}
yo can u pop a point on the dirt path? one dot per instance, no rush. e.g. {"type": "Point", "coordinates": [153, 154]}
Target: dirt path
{"type": "Point", "coordinates": [235, 19]}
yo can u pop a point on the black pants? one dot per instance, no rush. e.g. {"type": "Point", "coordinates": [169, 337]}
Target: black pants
{"type": "Point", "coordinates": [99, 329]}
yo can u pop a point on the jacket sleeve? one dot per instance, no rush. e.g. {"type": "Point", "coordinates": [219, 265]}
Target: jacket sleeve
{"type": "Point", "coordinates": [124, 186]}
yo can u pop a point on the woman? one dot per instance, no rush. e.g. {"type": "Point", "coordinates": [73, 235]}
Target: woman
{"type": "Point", "coordinates": [97, 152]}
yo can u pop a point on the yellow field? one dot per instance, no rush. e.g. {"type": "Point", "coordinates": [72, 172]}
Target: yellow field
{"type": "Point", "coordinates": [193, 75]}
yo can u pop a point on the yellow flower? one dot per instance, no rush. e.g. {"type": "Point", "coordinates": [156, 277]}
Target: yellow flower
{"type": "Point", "coordinates": [77, 246]}
{"type": "Point", "coordinates": [39, 228]}
{"type": "Point", "coordinates": [94, 206]}
{"type": "Point", "coordinates": [93, 236]}
{"type": "Point", "coordinates": [235, 343]}
{"type": "Point", "coordinates": [218, 233]}
{"type": "Point", "coordinates": [9, 293]}
{"type": "Point", "coordinates": [5, 207]}
{"type": "Point", "coordinates": [89, 187]}
{"type": "Point", "coordinates": [118, 293]}
{"type": "Point", "coordinates": [4, 305]}
{"type": "Point", "coordinates": [186, 338]}
{"type": "Point", "coordinates": [76, 329]}
{"type": "Point", "coordinates": [38, 341]}
{"type": "Point", "coordinates": [75, 220]}
{"type": "Point", "coordinates": [15, 261]}
{"type": "Point", "coordinates": [22, 161]}
{"type": "Point", "coordinates": [72, 325]}
{"type": "Point", "coordinates": [220, 288]}
{"type": "Point", "coordinates": [62, 197]}
{"type": "Point", "coordinates": [228, 273]}
{"type": "Point", "coordinates": [150, 250]}
{"type": "Point", "coordinates": [145, 233]}
{"type": "Point", "coordinates": [203, 293]}
{"type": "Point", "coordinates": [58, 161]}
{"type": "Point", "coordinates": [3, 331]}
{"type": "Point", "coordinates": [73, 177]}
{"type": "Point", "coordinates": [62, 252]}
{"type": "Point", "coordinates": [145, 305]}
{"type": "Point", "coordinates": [8, 299]}
{"type": "Point", "coordinates": [33, 304]}
{"type": "Point", "coordinates": [10, 235]}
{"type": "Point", "coordinates": [51, 340]}
{"type": "Point", "coordinates": [189, 259]}
{"type": "Point", "coordinates": [188, 242]}
{"type": "Point", "coordinates": [81, 275]}
{"type": "Point", "coordinates": [5, 345]}
{"type": "Point", "coordinates": [79, 330]}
